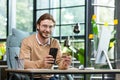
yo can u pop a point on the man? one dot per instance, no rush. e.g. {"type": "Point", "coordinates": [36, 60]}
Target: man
{"type": "Point", "coordinates": [35, 48]}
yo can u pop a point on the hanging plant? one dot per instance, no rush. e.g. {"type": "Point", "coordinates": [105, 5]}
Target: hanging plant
{"type": "Point", "coordinates": [95, 33]}
{"type": "Point", "coordinates": [94, 25]}
{"type": "Point", "coordinates": [113, 40]}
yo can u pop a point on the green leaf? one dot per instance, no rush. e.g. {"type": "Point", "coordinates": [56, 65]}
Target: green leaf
{"type": "Point", "coordinates": [95, 28]}
{"type": "Point", "coordinates": [113, 32]}
{"type": "Point", "coordinates": [80, 55]}
{"type": "Point", "coordinates": [111, 40]}
{"type": "Point", "coordinates": [81, 59]}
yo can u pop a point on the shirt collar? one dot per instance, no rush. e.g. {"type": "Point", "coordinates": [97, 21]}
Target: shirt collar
{"type": "Point", "coordinates": [48, 43]}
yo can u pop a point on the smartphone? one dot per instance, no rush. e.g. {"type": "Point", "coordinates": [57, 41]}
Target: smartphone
{"type": "Point", "coordinates": [53, 52]}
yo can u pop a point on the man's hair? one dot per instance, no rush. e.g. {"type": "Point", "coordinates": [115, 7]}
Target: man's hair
{"type": "Point", "coordinates": [45, 16]}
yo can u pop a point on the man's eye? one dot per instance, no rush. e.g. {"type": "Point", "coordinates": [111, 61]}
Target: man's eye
{"type": "Point", "coordinates": [50, 26]}
{"type": "Point", "coordinates": [45, 26]}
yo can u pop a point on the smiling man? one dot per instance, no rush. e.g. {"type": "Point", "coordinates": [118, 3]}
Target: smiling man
{"type": "Point", "coordinates": [35, 48]}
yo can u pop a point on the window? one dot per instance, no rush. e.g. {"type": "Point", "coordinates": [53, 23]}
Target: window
{"type": "Point", "coordinates": [24, 15]}
{"type": "Point", "coordinates": [3, 19]}
{"type": "Point", "coordinates": [104, 10]}
{"type": "Point", "coordinates": [67, 14]}
{"type": "Point", "coordinates": [3, 27]}
{"type": "Point", "coordinates": [21, 15]}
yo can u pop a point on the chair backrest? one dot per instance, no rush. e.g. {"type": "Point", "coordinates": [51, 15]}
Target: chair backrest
{"type": "Point", "coordinates": [13, 47]}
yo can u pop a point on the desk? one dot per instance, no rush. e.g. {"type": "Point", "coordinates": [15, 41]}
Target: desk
{"type": "Point", "coordinates": [2, 72]}
{"type": "Point", "coordinates": [32, 72]}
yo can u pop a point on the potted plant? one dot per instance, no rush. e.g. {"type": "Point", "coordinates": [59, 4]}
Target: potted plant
{"type": "Point", "coordinates": [2, 50]}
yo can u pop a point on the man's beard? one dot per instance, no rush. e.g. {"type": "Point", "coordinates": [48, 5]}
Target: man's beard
{"type": "Point", "coordinates": [43, 35]}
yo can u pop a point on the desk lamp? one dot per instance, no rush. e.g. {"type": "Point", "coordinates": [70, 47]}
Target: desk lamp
{"type": "Point", "coordinates": [76, 29]}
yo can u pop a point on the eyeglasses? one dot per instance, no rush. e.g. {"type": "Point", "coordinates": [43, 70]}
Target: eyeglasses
{"type": "Point", "coordinates": [47, 26]}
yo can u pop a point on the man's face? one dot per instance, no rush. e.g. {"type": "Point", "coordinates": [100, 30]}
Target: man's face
{"type": "Point", "coordinates": [45, 28]}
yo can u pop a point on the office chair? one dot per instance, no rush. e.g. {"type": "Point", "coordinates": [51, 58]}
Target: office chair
{"type": "Point", "coordinates": [12, 51]}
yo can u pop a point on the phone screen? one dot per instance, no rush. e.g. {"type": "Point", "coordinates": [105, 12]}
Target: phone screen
{"type": "Point", "coordinates": [53, 52]}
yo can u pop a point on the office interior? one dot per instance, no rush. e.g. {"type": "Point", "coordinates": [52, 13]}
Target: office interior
{"type": "Point", "coordinates": [79, 26]}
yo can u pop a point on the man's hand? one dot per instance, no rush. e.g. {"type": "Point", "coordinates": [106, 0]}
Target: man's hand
{"type": "Point", "coordinates": [48, 60]}
{"type": "Point", "coordinates": [66, 61]}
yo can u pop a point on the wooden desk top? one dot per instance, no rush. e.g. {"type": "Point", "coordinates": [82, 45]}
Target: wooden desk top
{"type": "Point", "coordinates": [3, 66]}
{"type": "Point", "coordinates": [68, 71]}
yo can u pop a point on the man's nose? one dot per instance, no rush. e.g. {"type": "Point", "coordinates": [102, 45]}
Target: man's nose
{"type": "Point", "coordinates": [48, 29]}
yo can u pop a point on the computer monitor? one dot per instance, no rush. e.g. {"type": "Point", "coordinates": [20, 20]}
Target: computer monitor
{"type": "Point", "coordinates": [103, 45]}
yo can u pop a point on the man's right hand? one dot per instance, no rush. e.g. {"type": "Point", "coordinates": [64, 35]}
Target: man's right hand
{"type": "Point", "coordinates": [48, 60]}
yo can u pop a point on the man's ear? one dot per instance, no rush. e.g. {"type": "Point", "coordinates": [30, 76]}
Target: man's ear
{"type": "Point", "coordinates": [37, 26]}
